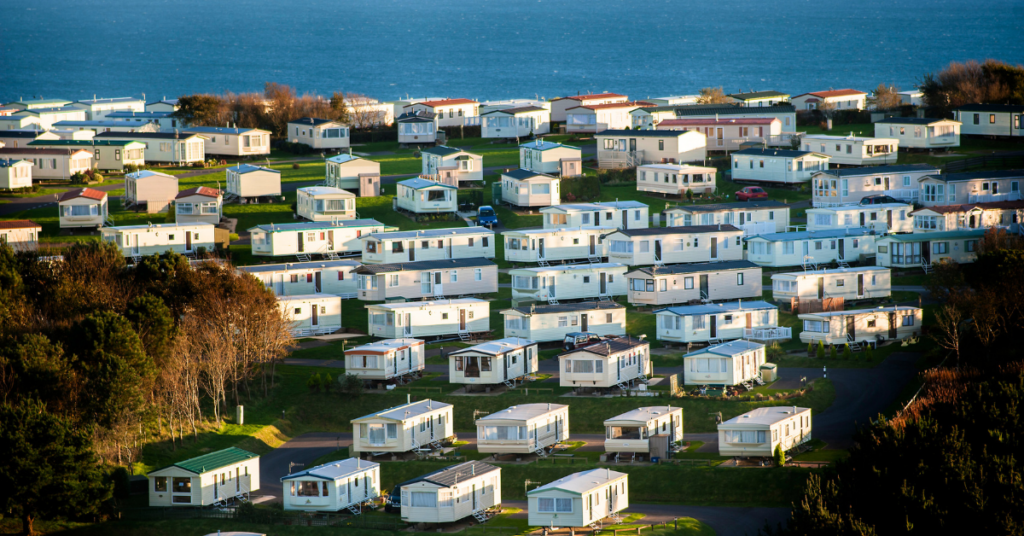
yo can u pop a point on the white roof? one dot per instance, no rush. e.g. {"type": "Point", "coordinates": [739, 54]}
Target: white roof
{"type": "Point", "coordinates": [729, 349]}
{"type": "Point", "coordinates": [677, 167]}
{"type": "Point", "coordinates": [571, 267]}
{"type": "Point", "coordinates": [416, 305]}
{"type": "Point", "coordinates": [847, 138]}
{"type": "Point", "coordinates": [522, 412]}
{"type": "Point", "coordinates": [335, 470]}
{"type": "Point", "coordinates": [307, 297]}
{"type": "Point", "coordinates": [157, 226]}
{"type": "Point", "coordinates": [854, 312]}
{"type": "Point", "coordinates": [385, 345]}
{"type": "Point", "coordinates": [766, 415]}
{"type": "Point", "coordinates": [326, 190]}
{"type": "Point", "coordinates": [582, 482]}
{"type": "Point", "coordinates": [645, 414]}
{"type": "Point", "coordinates": [853, 270]}
{"type": "Point", "coordinates": [499, 346]}
{"type": "Point", "coordinates": [560, 230]}
{"type": "Point", "coordinates": [407, 411]}
{"type": "Point", "coordinates": [863, 207]}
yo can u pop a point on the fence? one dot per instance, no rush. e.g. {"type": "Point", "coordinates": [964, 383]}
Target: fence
{"type": "Point", "coordinates": [799, 306]}
{"type": "Point", "coordinates": [998, 161]}
{"type": "Point", "coordinates": [374, 135]}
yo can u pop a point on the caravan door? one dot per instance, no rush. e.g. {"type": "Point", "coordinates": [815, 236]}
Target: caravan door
{"type": "Point", "coordinates": [438, 286]}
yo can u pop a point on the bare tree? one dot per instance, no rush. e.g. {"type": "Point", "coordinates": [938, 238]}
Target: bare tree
{"type": "Point", "coordinates": [885, 97]}
{"type": "Point", "coordinates": [712, 95]}
{"type": "Point", "coordinates": [364, 112]}
{"type": "Point", "coordinates": [949, 320]}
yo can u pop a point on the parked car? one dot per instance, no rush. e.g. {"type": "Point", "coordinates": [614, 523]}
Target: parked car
{"type": "Point", "coordinates": [486, 217]}
{"type": "Point", "coordinates": [579, 339]}
{"type": "Point", "coordinates": [751, 192]}
{"type": "Point", "coordinates": [878, 200]}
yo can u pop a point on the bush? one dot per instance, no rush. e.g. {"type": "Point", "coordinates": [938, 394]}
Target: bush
{"type": "Point", "coordinates": [779, 456]}
{"type": "Point", "coordinates": [79, 178]}
{"type": "Point", "coordinates": [296, 166]}
{"type": "Point", "coordinates": [232, 237]}
{"type": "Point", "coordinates": [832, 352]}
{"type": "Point", "coordinates": [847, 353]}
{"type": "Point", "coordinates": [328, 382]}
{"type": "Point", "coordinates": [314, 383]}
{"type": "Point", "coordinates": [122, 483]}
{"type": "Point", "coordinates": [350, 384]}
{"type": "Point", "coordinates": [201, 252]}
{"type": "Point", "coordinates": [810, 349]}
{"type": "Point", "coordinates": [869, 353]}
{"type": "Point", "coordinates": [821, 350]}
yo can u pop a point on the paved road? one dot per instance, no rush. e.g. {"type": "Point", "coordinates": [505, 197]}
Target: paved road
{"type": "Point", "coordinates": [303, 449]}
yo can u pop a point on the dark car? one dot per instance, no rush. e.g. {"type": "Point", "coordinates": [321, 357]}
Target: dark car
{"type": "Point", "coordinates": [579, 339]}
{"type": "Point", "coordinates": [878, 200]}
{"type": "Point", "coordinates": [751, 192]}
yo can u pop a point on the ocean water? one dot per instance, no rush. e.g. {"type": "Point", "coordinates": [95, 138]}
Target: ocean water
{"type": "Point", "coordinates": [490, 49]}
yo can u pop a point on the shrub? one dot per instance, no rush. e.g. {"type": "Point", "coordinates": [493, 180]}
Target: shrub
{"type": "Point", "coordinates": [847, 353]}
{"type": "Point", "coordinates": [314, 383]}
{"type": "Point", "coordinates": [832, 352]}
{"type": "Point", "coordinates": [79, 178]}
{"type": "Point", "coordinates": [296, 166]}
{"type": "Point", "coordinates": [821, 350]}
{"type": "Point", "coordinates": [232, 237]}
{"type": "Point", "coordinates": [350, 384]}
{"type": "Point", "coordinates": [869, 353]}
{"type": "Point", "coordinates": [328, 382]}
{"type": "Point", "coordinates": [689, 194]}
{"type": "Point", "coordinates": [122, 483]}
{"type": "Point", "coordinates": [779, 456]}
{"type": "Point", "coordinates": [810, 349]}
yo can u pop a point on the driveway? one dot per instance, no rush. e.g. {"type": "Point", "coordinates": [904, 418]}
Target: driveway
{"type": "Point", "coordinates": [303, 449]}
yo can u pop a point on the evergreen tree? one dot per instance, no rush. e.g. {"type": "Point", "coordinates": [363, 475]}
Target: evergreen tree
{"type": "Point", "coordinates": [779, 456]}
{"type": "Point", "coordinates": [832, 352]}
{"type": "Point", "coordinates": [847, 353]}
{"type": "Point", "coordinates": [821, 350]}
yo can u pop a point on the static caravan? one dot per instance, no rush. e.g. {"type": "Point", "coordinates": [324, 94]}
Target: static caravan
{"type": "Point", "coordinates": [881, 218]}
{"type": "Point", "coordinates": [921, 249]}
{"type": "Point", "coordinates": [417, 128]}
{"type": "Point", "coordinates": [727, 364]}
{"type": "Point", "coordinates": [150, 188]}
{"type": "Point", "coordinates": [547, 323]}
{"type": "Point", "coordinates": [96, 109]}
{"type": "Point", "coordinates": [850, 185]}
{"type": "Point", "coordinates": [199, 205]}
{"type": "Point", "coordinates": [631, 148]}
{"type": "Point", "coordinates": [422, 196]}
{"type": "Point", "coordinates": [176, 147]}
{"type": "Point", "coordinates": [108, 155]}
{"type": "Point", "coordinates": [311, 314]}
{"type": "Point", "coordinates": [651, 429]}
{"type": "Point", "coordinates": [304, 239]}
{"type": "Point", "coordinates": [561, 105]}
{"type": "Point", "coordinates": [59, 164]}
{"type": "Point", "coordinates": [319, 133]}
{"type": "Point", "coordinates": [449, 112]}
{"type": "Point", "coordinates": [618, 361]}
{"type": "Point", "coordinates": [690, 283]}
{"type": "Point", "coordinates": [441, 318]}
{"type": "Point", "coordinates": [142, 119]}
{"type": "Point", "coordinates": [452, 165]}
{"type": "Point", "coordinates": [972, 216]}
{"type": "Point", "coordinates": [15, 174]}
{"type": "Point", "coordinates": [839, 99]}
{"type": "Point", "coordinates": [523, 429]}
{"type": "Point", "coordinates": [551, 158]}
{"type": "Point", "coordinates": [716, 322]}
{"type": "Point", "coordinates": [569, 282]}
{"type": "Point", "coordinates": [246, 182]}
{"type": "Point", "coordinates": [858, 326]}
{"type": "Point", "coordinates": [386, 360]}
{"type": "Point", "coordinates": [556, 244]}
{"type": "Point", "coordinates": [621, 214]}
{"type": "Point", "coordinates": [597, 118]}
{"type": "Point", "coordinates": [21, 235]}
{"type": "Point", "coordinates": [409, 427]}
{"type": "Point", "coordinates": [225, 141]}
{"type": "Point", "coordinates": [47, 117]}
{"type": "Point", "coordinates": [426, 279]}
{"type": "Point", "coordinates": [859, 283]}
{"type": "Point", "coordinates": [753, 217]}
{"type": "Point", "coordinates": [578, 500]}
{"type": "Point", "coordinates": [853, 150]}
{"type": "Point", "coordinates": [158, 238]}
{"type": "Point", "coordinates": [991, 119]}
{"type": "Point", "coordinates": [524, 188]}
{"type": "Point", "coordinates": [352, 173]}
{"type": "Point", "coordinates": [456, 492]}
{"type": "Point", "coordinates": [758, 432]}
{"type": "Point", "coordinates": [325, 203]}
{"type": "Point", "coordinates": [777, 166]}
{"type": "Point", "coordinates": [971, 187]}
{"type": "Point", "coordinates": [206, 480]}
{"type": "Point", "coordinates": [669, 245]}
{"type": "Point", "coordinates": [428, 245]}
{"type": "Point", "coordinates": [920, 132]}
{"type": "Point", "coordinates": [333, 486]}
{"type": "Point", "coordinates": [314, 277]}
{"type": "Point", "coordinates": [519, 122]}
{"type": "Point", "coordinates": [756, 99]}
{"type": "Point", "coordinates": [729, 134]}
{"type": "Point", "coordinates": [812, 248]}
{"type": "Point", "coordinates": [675, 179]}
{"type": "Point", "coordinates": [83, 207]}
{"type": "Point", "coordinates": [493, 363]}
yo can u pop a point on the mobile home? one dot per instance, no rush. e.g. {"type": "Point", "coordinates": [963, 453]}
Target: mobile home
{"type": "Point", "coordinates": [850, 185]}
{"type": "Point", "coordinates": [456, 492]}
{"type": "Point", "coordinates": [441, 318]}
{"type": "Point", "coordinates": [21, 235]}
{"type": "Point", "coordinates": [669, 245]}
{"type": "Point", "coordinates": [729, 134]}
{"type": "Point", "coordinates": [351, 173]}
{"type": "Point", "coordinates": [311, 314]}
{"type": "Point", "coordinates": [578, 500]}
{"type": "Point", "coordinates": [233, 141]}
{"type": "Point", "coordinates": [675, 179]}
{"type": "Point", "coordinates": [970, 187]}
{"type": "Point", "coordinates": [493, 363]}
{"type": "Point", "coordinates": [859, 326]}
{"type": "Point", "coordinates": [59, 164]}
{"type": "Point", "coordinates": [621, 214]}
{"type": "Point", "coordinates": [756, 99]}
{"type": "Point", "coordinates": [853, 150]}
{"type": "Point", "coordinates": [422, 196]}
{"type": "Point", "coordinates": [246, 181]}
{"type": "Point", "coordinates": [523, 429]}
{"type": "Point", "coordinates": [858, 283]}
{"type": "Point", "coordinates": [715, 322]}
{"type": "Point", "coordinates": [314, 277]}
{"type": "Point", "coordinates": [812, 248]}
{"type": "Point", "coordinates": [726, 364]}
{"type": "Point", "coordinates": [555, 244]}
{"type": "Point", "coordinates": [617, 361]}
{"type": "Point", "coordinates": [758, 432]}
{"type": "Point", "coordinates": [920, 132]}
{"type": "Point", "coordinates": [325, 203]}
{"type": "Point", "coordinates": [922, 249]}
{"type": "Point", "coordinates": [631, 148]}
{"type": "Point", "coordinates": [156, 239]}
{"type": "Point", "coordinates": [547, 323]}
{"type": "Point", "coordinates": [753, 217]}
{"type": "Point", "coordinates": [690, 283]}
{"type": "Point", "coordinates": [523, 188]}
{"type": "Point", "coordinates": [417, 128]}
{"type": "Point", "coordinates": [108, 155]}
{"type": "Point", "coordinates": [839, 99]}
{"type": "Point", "coordinates": [83, 207]}
{"type": "Point", "coordinates": [449, 112]}
{"type": "Point", "coordinates": [781, 166]}
{"type": "Point", "coordinates": [972, 216]}
{"type": "Point", "coordinates": [653, 430]}
{"type": "Point", "coordinates": [319, 133]}
{"type": "Point", "coordinates": [426, 279]}
{"type": "Point", "coordinates": [452, 165]}
{"type": "Point", "coordinates": [333, 486]}
{"type": "Point", "coordinates": [96, 109]}
{"type": "Point", "coordinates": [164, 147]}
{"type": "Point", "coordinates": [519, 122]}
{"type": "Point", "coordinates": [596, 118]}
{"type": "Point", "coordinates": [573, 282]}
{"type": "Point", "coordinates": [206, 480]}
{"type": "Point", "coordinates": [551, 158]}
{"type": "Point", "coordinates": [324, 238]}
{"type": "Point", "coordinates": [405, 428]}
{"type": "Point", "coordinates": [386, 360]}
{"type": "Point", "coordinates": [199, 205]}
{"type": "Point", "coordinates": [561, 105]}
{"type": "Point", "coordinates": [991, 119]}
{"type": "Point", "coordinates": [428, 245]}
{"type": "Point", "coordinates": [881, 217]}
{"type": "Point", "coordinates": [15, 174]}
{"type": "Point", "coordinates": [150, 188]}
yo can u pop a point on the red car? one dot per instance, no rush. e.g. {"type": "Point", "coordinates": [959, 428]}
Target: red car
{"type": "Point", "coordinates": [751, 192]}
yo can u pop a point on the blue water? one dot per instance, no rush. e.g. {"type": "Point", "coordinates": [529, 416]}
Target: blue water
{"type": "Point", "coordinates": [490, 49]}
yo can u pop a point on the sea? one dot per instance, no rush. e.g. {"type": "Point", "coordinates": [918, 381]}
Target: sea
{"type": "Point", "coordinates": [490, 49]}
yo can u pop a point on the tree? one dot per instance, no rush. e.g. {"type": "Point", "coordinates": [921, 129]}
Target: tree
{"type": "Point", "coordinates": [869, 352]}
{"type": "Point", "coordinates": [199, 110]}
{"type": "Point", "coordinates": [885, 97]}
{"type": "Point", "coordinates": [314, 382]}
{"type": "Point", "coordinates": [991, 82]}
{"type": "Point", "coordinates": [821, 350]}
{"type": "Point", "coordinates": [949, 321]}
{"type": "Point", "coordinates": [712, 95]}
{"type": "Point", "coordinates": [48, 467]}
{"type": "Point", "coordinates": [847, 353]}
{"type": "Point", "coordinates": [832, 352]}
{"type": "Point", "coordinates": [810, 349]}
{"type": "Point", "coordinates": [328, 382]}
{"type": "Point", "coordinates": [152, 320]}
{"type": "Point", "coordinates": [779, 456]}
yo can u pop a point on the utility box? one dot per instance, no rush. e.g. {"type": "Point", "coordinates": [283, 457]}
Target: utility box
{"type": "Point", "coordinates": [769, 372]}
{"type": "Point", "coordinates": [240, 415]}
{"type": "Point", "coordinates": [369, 185]}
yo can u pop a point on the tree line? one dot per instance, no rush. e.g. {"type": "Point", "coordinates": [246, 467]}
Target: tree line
{"type": "Point", "coordinates": [98, 359]}
{"type": "Point", "coordinates": [988, 82]}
